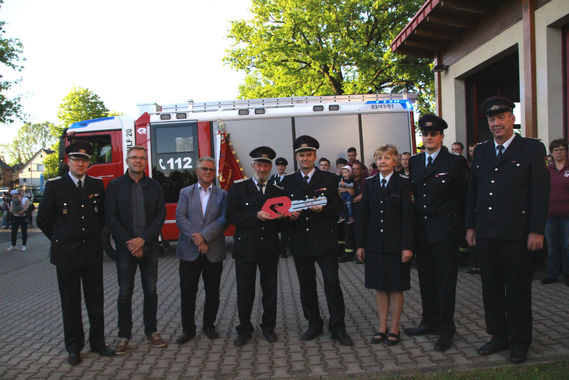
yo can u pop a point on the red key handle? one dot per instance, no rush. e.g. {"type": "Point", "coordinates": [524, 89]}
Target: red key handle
{"type": "Point", "coordinates": [274, 206]}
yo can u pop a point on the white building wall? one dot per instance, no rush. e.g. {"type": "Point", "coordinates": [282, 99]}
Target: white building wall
{"type": "Point", "coordinates": [548, 74]}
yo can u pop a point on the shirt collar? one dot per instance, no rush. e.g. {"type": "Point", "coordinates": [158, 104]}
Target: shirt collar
{"type": "Point", "coordinates": [209, 188]}
{"type": "Point", "coordinates": [506, 144]}
{"type": "Point", "coordinates": [386, 178]}
{"type": "Point", "coordinates": [75, 180]}
{"type": "Point", "coordinates": [433, 155]}
{"type": "Point", "coordinates": [309, 174]}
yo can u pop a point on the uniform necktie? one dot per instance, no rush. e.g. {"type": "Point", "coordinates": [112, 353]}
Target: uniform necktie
{"type": "Point", "coordinates": [429, 161]}
{"type": "Point", "coordinates": [261, 188]}
{"type": "Point", "coordinates": [80, 188]}
{"type": "Point", "coordinates": [500, 151]}
{"type": "Point", "coordinates": [306, 178]}
{"type": "Point", "coordinates": [383, 183]}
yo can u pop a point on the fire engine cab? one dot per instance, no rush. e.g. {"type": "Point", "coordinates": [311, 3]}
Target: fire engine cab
{"type": "Point", "coordinates": [175, 136]}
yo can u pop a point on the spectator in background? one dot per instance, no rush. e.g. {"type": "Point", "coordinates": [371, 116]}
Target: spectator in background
{"type": "Point", "coordinates": [6, 210]}
{"type": "Point", "coordinates": [405, 163]}
{"type": "Point", "coordinates": [340, 162]}
{"type": "Point", "coordinates": [277, 178]}
{"type": "Point", "coordinates": [353, 157]}
{"type": "Point", "coordinates": [324, 164]}
{"type": "Point", "coordinates": [557, 225]}
{"type": "Point", "coordinates": [19, 209]}
{"type": "Point", "coordinates": [344, 186]}
{"type": "Point", "coordinates": [349, 229]}
{"type": "Point", "coordinates": [457, 148]}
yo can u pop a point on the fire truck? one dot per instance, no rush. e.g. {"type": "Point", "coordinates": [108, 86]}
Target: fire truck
{"type": "Point", "coordinates": [177, 135]}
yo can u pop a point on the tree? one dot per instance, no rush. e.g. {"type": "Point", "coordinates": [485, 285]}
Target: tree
{"type": "Point", "coordinates": [80, 104]}
{"type": "Point", "coordinates": [29, 140]}
{"type": "Point", "coordinates": [10, 58]}
{"type": "Point", "coordinates": [326, 47]}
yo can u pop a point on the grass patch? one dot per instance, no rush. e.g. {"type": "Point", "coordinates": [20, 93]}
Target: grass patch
{"type": "Point", "coordinates": [551, 371]}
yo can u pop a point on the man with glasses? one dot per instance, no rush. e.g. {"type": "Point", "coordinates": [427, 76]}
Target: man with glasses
{"type": "Point", "coordinates": [200, 216]}
{"type": "Point", "coordinates": [135, 212]}
{"type": "Point", "coordinates": [71, 216]}
{"type": "Point", "coordinates": [439, 184]}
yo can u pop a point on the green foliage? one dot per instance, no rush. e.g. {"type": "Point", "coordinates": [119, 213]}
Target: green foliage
{"type": "Point", "coordinates": [10, 58]}
{"type": "Point", "coordinates": [326, 47]}
{"type": "Point", "coordinates": [51, 163]}
{"type": "Point", "coordinates": [29, 140]}
{"type": "Point", "coordinates": [79, 105]}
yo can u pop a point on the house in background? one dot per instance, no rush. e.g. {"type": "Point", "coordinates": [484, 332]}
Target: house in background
{"type": "Point", "coordinates": [513, 48]}
{"type": "Point", "coordinates": [32, 173]}
{"type": "Point", "coordinates": [5, 174]}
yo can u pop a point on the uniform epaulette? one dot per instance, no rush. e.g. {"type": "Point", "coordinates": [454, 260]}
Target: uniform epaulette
{"type": "Point", "coordinates": [54, 178]}
{"type": "Point", "coordinates": [278, 187]}
{"type": "Point", "coordinates": [404, 176]}
{"type": "Point", "coordinates": [370, 177]}
{"type": "Point", "coordinates": [286, 175]}
{"type": "Point", "coordinates": [241, 180]}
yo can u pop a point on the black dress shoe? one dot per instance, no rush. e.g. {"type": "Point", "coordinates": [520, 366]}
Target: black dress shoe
{"type": "Point", "coordinates": [495, 345]}
{"type": "Point", "coordinates": [519, 354]}
{"type": "Point", "coordinates": [342, 338]}
{"type": "Point", "coordinates": [443, 343]}
{"type": "Point", "coordinates": [211, 333]}
{"type": "Point", "coordinates": [74, 358]}
{"type": "Point", "coordinates": [345, 258]}
{"type": "Point", "coordinates": [310, 333]}
{"type": "Point", "coordinates": [185, 337]}
{"type": "Point", "coordinates": [419, 330]}
{"type": "Point", "coordinates": [270, 336]}
{"type": "Point", "coordinates": [284, 255]}
{"type": "Point", "coordinates": [241, 340]}
{"type": "Point", "coordinates": [105, 351]}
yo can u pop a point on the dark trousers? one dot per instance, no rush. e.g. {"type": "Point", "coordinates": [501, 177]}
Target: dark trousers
{"type": "Point", "coordinates": [306, 271]}
{"type": "Point", "coordinates": [284, 242]}
{"type": "Point", "coordinates": [245, 273]}
{"type": "Point", "coordinates": [69, 281]}
{"type": "Point", "coordinates": [437, 268]}
{"type": "Point", "coordinates": [126, 270]}
{"type": "Point", "coordinates": [190, 272]}
{"type": "Point", "coordinates": [19, 221]}
{"type": "Point", "coordinates": [507, 268]}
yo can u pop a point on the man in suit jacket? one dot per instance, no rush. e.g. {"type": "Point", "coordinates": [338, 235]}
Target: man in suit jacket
{"type": "Point", "coordinates": [439, 183]}
{"type": "Point", "coordinates": [256, 244]}
{"type": "Point", "coordinates": [135, 212]}
{"type": "Point", "coordinates": [314, 240]}
{"type": "Point", "coordinates": [71, 216]}
{"type": "Point", "coordinates": [276, 179]}
{"type": "Point", "coordinates": [200, 216]}
{"type": "Point", "coordinates": [507, 204]}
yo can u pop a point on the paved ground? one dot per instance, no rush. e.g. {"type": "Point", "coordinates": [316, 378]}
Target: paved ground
{"type": "Point", "coordinates": [32, 333]}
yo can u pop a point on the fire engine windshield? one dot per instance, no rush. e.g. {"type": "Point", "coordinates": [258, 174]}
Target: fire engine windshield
{"type": "Point", "coordinates": [174, 157]}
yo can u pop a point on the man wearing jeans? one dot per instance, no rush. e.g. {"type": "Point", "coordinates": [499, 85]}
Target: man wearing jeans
{"type": "Point", "coordinates": [135, 212]}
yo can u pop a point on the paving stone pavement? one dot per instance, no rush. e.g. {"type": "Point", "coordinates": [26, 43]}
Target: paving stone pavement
{"type": "Point", "coordinates": [32, 332]}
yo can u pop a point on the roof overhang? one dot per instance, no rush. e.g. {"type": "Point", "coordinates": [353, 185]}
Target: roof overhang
{"type": "Point", "coordinates": [438, 24]}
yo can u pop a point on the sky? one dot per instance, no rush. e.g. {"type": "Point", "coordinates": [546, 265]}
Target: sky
{"type": "Point", "coordinates": [126, 51]}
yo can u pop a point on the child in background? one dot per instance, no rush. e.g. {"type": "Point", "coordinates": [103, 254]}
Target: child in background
{"type": "Point", "coordinates": [346, 183]}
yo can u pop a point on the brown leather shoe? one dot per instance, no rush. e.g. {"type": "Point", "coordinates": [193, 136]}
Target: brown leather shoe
{"type": "Point", "coordinates": [156, 340]}
{"type": "Point", "coordinates": [122, 346]}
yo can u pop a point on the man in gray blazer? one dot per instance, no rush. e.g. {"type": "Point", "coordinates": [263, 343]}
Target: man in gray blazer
{"type": "Point", "coordinates": [200, 216]}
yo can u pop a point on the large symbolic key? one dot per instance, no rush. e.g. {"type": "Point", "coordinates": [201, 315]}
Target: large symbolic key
{"type": "Point", "coordinates": [283, 205]}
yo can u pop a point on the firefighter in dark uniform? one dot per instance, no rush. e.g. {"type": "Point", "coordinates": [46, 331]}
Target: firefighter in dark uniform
{"type": "Point", "coordinates": [314, 240]}
{"type": "Point", "coordinates": [507, 205]}
{"type": "Point", "coordinates": [71, 216]}
{"type": "Point", "coordinates": [439, 183]}
{"type": "Point", "coordinates": [256, 244]}
{"type": "Point", "coordinates": [277, 179]}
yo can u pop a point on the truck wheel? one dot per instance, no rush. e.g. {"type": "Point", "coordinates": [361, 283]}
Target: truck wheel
{"type": "Point", "coordinates": [109, 244]}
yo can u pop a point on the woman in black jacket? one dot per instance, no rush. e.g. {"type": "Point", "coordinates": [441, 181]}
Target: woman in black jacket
{"type": "Point", "coordinates": [384, 237]}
